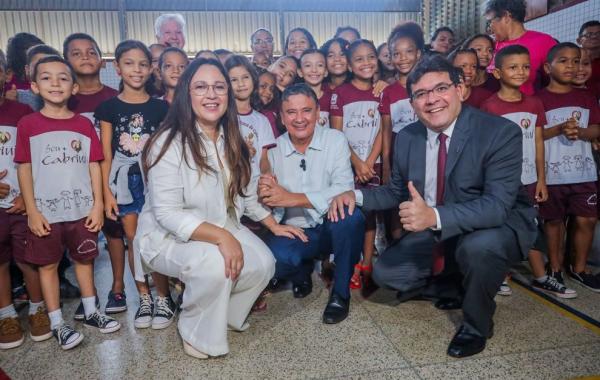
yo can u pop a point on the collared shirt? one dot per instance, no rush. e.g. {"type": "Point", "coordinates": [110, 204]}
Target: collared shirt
{"type": "Point", "coordinates": [326, 172]}
{"type": "Point", "coordinates": [431, 158]}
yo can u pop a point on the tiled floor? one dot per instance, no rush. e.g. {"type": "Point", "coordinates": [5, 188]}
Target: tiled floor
{"type": "Point", "coordinates": [377, 341]}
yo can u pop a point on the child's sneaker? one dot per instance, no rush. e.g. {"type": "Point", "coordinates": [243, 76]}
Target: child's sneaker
{"type": "Point", "coordinates": [102, 322]}
{"type": "Point", "coordinates": [505, 289]}
{"type": "Point", "coordinates": [39, 325]}
{"type": "Point", "coordinates": [552, 286]}
{"type": "Point", "coordinates": [11, 333]}
{"type": "Point", "coordinates": [587, 280]}
{"type": "Point", "coordinates": [165, 313]}
{"type": "Point", "coordinates": [143, 316]}
{"type": "Point", "coordinates": [557, 275]}
{"type": "Point", "coordinates": [117, 303]}
{"type": "Point", "coordinates": [67, 337]}
{"type": "Point", "coordinates": [80, 314]}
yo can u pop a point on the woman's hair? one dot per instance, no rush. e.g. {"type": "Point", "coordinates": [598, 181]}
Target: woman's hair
{"type": "Point", "coordinates": [311, 40]}
{"type": "Point", "coordinates": [16, 52]}
{"type": "Point", "coordinates": [180, 123]}
{"type": "Point", "coordinates": [241, 61]}
{"type": "Point", "coordinates": [127, 45]}
{"type": "Point", "coordinates": [410, 30]}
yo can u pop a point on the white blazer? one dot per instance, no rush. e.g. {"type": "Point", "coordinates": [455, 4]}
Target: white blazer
{"type": "Point", "coordinates": [179, 197]}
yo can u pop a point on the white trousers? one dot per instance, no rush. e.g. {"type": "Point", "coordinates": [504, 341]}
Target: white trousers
{"type": "Point", "coordinates": [212, 302]}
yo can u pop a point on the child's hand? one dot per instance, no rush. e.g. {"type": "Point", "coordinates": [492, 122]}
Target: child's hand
{"type": "Point", "coordinates": [570, 129]}
{"type": "Point", "coordinates": [364, 172]}
{"type": "Point", "coordinates": [110, 206]}
{"type": "Point", "coordinates": [95, 219]}
{"type": "Point", "coordinates": [38, 224]}
{"type": "Point", "coordinates": [18, 206]}
{"type": "Point", "coordinates": [595, 144]}
{"type": "Point", "coordinates": [541, 192]}
{"type": "Point", "coordinates": [12, 93]}
{"type": "Point", "coordinates": [378, 87]}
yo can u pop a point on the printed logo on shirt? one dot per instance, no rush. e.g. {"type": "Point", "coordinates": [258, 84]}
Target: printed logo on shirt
{"type": "Point", "coordinates": [133, 140]}
{"type": "Point", "coordinates": [57, 154]}
{"type": "Point", "coordinates": [76, 145]}
{"type": "Point", "coordinates": [68, 199]}
{"type": "Point", "coordinates": [525, 123]}
{"type": "Point", "coordinates": [4, 137]}
{"type": "Point", "coordinates": [576, 115]}
{"type": "Point", "coordinates": [334, 99]}
{"type": "Point", "coordinates": [250, 143]}
{"type": "Point", "coordinates": [371, 112]}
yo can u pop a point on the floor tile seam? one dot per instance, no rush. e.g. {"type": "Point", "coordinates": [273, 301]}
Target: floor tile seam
{"type": "Point", "coordinates": [345, 376]}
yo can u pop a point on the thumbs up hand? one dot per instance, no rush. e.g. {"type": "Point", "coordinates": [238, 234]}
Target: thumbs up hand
{"type": "Point", "coordinates": [415, 215]}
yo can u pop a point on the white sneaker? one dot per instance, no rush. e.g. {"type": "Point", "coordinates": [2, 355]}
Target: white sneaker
{"type": "Point", "coordinates": [552, 286]}
{"type": "Point", "coordinates": [143, 316]}
{"type": "Point", "coordinates": [504, 289]}
{"type": "Point", "coordinates": [165, 313]}
{"type": "Point", "coordinates": [188, 349]}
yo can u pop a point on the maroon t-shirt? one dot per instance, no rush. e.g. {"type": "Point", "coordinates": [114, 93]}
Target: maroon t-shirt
{"type": "Point", "coordinates": [10, 114]}
{"type": "Point", "coordinates": [478, 95]}
{"type": "Point", "coordinates": [324, 107]}
{"type": "Point", "coordinates": [396, 103]}
{"type": "Point", "coordinates": [86, 105]}
{"type": "Point", "coordinates": [491, 84]}
{"type": "Point", "coordinates": [271, 115]}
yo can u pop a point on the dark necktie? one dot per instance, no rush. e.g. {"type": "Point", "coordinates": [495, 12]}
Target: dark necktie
{"type": "Point", "coordinates": [438, 251]}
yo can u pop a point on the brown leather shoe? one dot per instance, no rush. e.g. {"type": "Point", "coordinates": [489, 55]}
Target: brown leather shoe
{"type": "Point", "coordinates": [11, 333]}
{"type": "Point", "coordinates": [39, 325]}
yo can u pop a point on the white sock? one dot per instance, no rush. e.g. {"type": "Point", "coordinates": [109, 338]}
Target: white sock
{"type": "Point", "coordinates": [34, 306]}
{"type": "Point", "coordinates": [541, 279]}
{"type": "Point", "coordinates": [8, 312]}
{"type": "Point", "coordinates": [56, 318]}
{"type": "Point", "coordinates": [89, 305]}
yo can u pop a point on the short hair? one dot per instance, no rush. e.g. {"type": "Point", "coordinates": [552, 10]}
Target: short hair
{"type": "Point", "coordinates": [342, 29]}
{"type": "Point", "coordinates": [259, 30]}
{"type": "Point", "coordinates": [410, 30]}
{"type": "Point", "coordinates": [311, 40]}
{"type": "Point", "coordinates": [440, 30]}
{"type": "Point", "coordinates": [431, 64]}
{"type": "Point", "coordinates": [516, 8]}
{"type": "Point", "coordinates": [508, 51]}
{"type": "Point", "coordinates": [557, 48]}
{"type": "Point", "coordinates": [40, 49]}
{"type": "Point", "coordinates": [588, 24]}
{"type": "Point", "coordinates": [79, 36]}
{"type": "Point", "coordinates": [49, 59]}
{"type": "Point", "coordinates": [299, 89]}
{"type": "Point", "coordinates": [171, 49]}
{"type": "Point", "coordinates": [160, 20]}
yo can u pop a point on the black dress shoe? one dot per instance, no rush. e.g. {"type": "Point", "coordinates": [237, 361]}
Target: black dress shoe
{"type": "Point", "coordinates": [448, 304]}
{"type": "Point", "coordinates": [336, 310]}
{"type": "Point", "coordinates": [275, 285]}
{"type": "Point", "coordinates": [465, 344]}
{"type": "Point", "coordinates": [302, 290]}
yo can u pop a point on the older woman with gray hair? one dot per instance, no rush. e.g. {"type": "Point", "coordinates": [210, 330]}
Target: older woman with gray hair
{"type": "Point", "coordinates": [169, 30]}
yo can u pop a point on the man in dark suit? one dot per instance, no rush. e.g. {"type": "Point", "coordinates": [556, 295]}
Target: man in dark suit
{"type": "Point", "coordinates": [456, 179]}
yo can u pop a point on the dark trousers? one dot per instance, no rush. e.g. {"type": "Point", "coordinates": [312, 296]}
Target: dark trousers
{"type": "Point", "coordinates": [476, 264]}
{"type": "Point", "coordinates": [345, 238]}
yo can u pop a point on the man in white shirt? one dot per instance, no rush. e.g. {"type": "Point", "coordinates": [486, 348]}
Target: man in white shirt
{"type": "Point", "coordinates": [473, 220]}
{"type": "Point", "coordinates": [310, 166]}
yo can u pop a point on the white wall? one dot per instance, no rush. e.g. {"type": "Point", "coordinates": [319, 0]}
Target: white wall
{"type": "Point", "coordinates": [564, 25]}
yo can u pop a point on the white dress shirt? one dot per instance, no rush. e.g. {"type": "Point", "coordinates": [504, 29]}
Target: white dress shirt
{"type": "Point", "coordinates": [327, 173]}
{"type": "Point", "coordinates": [431, 159]}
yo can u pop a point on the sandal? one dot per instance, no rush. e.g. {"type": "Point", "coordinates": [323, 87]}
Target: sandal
{"type": "Point", "coordinates": [355, 281]}
{"type": "Point", "coordinates": [260, 304]}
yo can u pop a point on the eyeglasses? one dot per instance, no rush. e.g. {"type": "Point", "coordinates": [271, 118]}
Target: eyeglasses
{"type": "Point", "coordinates": [201, 88]}
{"type": "Point", "coordinates": [268, 41]}
{"type": "Point", "coordinates": [591, 34]}
{"type": "Point", "coordinates": [488, 23]}
{"type": "Point", "coordinates": [439, 90]}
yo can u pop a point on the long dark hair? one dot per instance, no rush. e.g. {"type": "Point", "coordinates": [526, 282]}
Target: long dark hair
{"type": "Point", "coordinates": [311, 40]}
{"type": "Point", "coordinates": [127, 45]}
{"type": "Point", "coordinates": [180, 123]}
{"type": "Point", "coordinates": [241, 61]}
{"type": "Point", "coordinates": [16, 52]}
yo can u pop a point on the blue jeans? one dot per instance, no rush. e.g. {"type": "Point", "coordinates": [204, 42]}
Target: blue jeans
{"type": "Point", "coordinates": [344, 239]}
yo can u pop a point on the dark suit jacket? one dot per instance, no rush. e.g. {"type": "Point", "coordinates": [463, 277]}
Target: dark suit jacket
{"type": "Point", "coordinates": [483, 177]}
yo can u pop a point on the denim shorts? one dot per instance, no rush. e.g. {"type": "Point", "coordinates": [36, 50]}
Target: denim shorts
{"type": "Point", "coordinates": [136, 187]}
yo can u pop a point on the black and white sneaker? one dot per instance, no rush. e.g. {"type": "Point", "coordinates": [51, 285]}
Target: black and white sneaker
{"type": "Point", "coordinates": [557, 275]}
{"type": "Point", "coordinates": [80, 313]}
{"type": "Point", "coordinates": [67, 337]}
{"type": "Point", "coordinates": [587, 280]}
{"type": "Point", "coordinates": [102, 322]}
{"type": "Point", "coordinates": [552, 286]}
{"type": "Point", "coordinates": [165, 313]}
{"type": "Point", "coordinates": [143, 316]}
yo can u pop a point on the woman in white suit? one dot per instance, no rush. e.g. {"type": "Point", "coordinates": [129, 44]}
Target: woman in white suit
{"type": "Point", "coordinates": [199, 185]}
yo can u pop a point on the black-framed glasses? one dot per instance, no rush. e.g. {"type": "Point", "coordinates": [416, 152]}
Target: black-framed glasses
{"type": "Point", "coordinates": [488, 23]}
{"type": "Point", "coordinates": [201, 88]}
{"type": "Point", "coordinates": [591, 34]}
{"type": "Point", "coordinates": [439, 90]}
{"type": "Point", "coordinates": [267, 41]}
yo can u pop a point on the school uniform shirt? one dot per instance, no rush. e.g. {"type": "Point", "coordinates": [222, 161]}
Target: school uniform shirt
{"type": "Point", "coordinates": [271, 115]}
{"type": "Point", "coordinates": [396, 103]}
{"type": "Point", "coordinates": [361, 117]}
{"type": "Point", "coordinates": [10, 114]}
{"type": "Point", "coordinates": [258, 135]}
{"type": "Point", "coordinates": [60, 152]}
{"type": "Point", "coordinates": [86, 104]}
{"type": "Point", "coordinates": [324, 108]}
{"type": "Point", "coordinates": [528, 113]}
{"type": "Point", "coordinates": [132, 123]}
{"type": "Point", "coordinates": [491, 84]}
{"type": "Point", "coordinates": [477, 96]}
{"type": "Point", "coordinates": [569, 161]}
